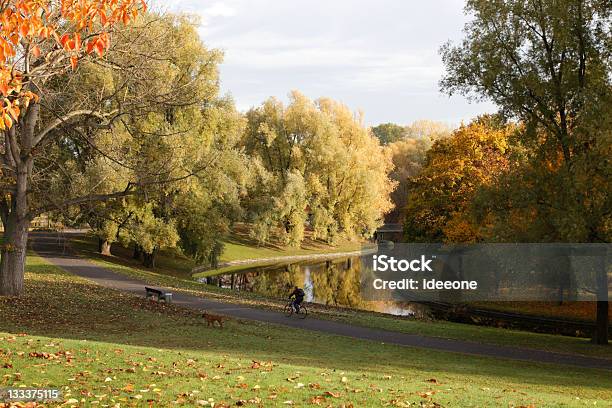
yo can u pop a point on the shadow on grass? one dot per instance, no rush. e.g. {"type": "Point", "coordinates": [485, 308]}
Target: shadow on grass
{"type": "Point", "coordinates": [60, 305]}
{"type": "Point", "coordinates": [168, 262]}
{"type": "Point", "coordinates": [240, 236]}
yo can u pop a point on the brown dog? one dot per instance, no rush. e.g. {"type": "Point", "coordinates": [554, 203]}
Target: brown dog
{"type": "Point", "coordinates": [211, 319]}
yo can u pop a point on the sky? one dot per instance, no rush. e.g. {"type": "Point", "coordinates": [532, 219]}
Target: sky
{"type": "Point", "coordinates": [376, 56]}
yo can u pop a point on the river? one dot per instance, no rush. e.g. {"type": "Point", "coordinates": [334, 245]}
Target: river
{"type": "Point", "coordinates": [332, 283]}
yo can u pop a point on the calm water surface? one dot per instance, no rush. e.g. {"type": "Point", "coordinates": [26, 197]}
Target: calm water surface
{"type": "Point", "coordinates": [333, 283]}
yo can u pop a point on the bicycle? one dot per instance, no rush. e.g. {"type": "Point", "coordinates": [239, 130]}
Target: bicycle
{"type": "Point", "coordinates": [290, 310]}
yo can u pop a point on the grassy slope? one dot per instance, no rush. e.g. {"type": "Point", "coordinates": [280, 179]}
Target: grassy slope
{"type": "Point", "coordinates": [234, 251]}
{"type": "Point", "coordinates": [237, 246]}
{"type": "Point", "coordinates": [241, 246]}
{"type": "Point", "coordinates": [138, 351]}
{"type": "Point", "coordinates": [369, 319]}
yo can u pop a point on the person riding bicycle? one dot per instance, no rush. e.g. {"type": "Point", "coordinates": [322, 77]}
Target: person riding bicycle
{"type": "Point", "coordinates": [298, 297]}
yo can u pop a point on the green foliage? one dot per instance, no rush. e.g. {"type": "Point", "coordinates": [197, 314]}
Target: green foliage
{"type": "Point", "coordinates": [314, 164]}
{"type": "Point", "coordinates": [388, 133]}
{"type": "Point", "coordinates": [178, 155]}
{"type": "Point", "coordinates": [151, 233]}
{"type": "Point", "coordinates": [547, 64]}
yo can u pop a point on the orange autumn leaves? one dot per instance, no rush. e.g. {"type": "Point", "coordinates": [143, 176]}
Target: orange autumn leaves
{"type": "Point", "coordinates": [37, 36]}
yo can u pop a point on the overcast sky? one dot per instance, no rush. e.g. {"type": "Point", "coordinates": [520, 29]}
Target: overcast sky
{"type": "Point", "coordinates": [378, 56]}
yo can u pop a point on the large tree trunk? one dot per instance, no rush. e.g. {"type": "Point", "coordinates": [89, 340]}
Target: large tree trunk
{"type": "Point", "coordinates": [149, 259]}
{"type": "Point", "coordinates": [600, 336]}
{"type": "Point", "coordinates": [602, 325]}
{"type": "Point", "coordinates": [16, 220]}
{"type": "Point", "coordinates": [137, 252]}
{"type": "Point", "coordinates": [105, 248]}
{"type": "Point", "coordinates": [13, 257]}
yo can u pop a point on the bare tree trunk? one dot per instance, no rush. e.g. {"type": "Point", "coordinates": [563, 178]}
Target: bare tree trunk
{"type": "Point", "coordinates": [600, 336]}
{"type": "Point", "coordinates": [13, 257]}
{"type": "Point", "coordinates": [602, 325]}
{"type": "Point", "coordinates": [137, 252]}
{"type": "Point", "coordinates": [16, 224]}
{"type": "Point", "coordinates": [105, 248]}
{"type": "Point", "coordinates": [149, 259]}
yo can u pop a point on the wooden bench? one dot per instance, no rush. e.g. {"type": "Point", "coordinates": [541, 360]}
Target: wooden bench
{"type": "Point", "coordinates": [158, 295]}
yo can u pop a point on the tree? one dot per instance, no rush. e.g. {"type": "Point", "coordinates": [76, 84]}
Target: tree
{"type": "Point", "coordinates": [547, 63]}
{"type": "Point", "coordinates": [183, 147]}
{"type": "Point", "coordinates": [440, 197]}
{"type": "Point", "coordinates": [408, 155]}
{"type": "Point", "coordinates": [39, 41]}
{"type": "Point", "coordinates": [388, 133]}
{"type": "Point", "coordinates": [152, 233]}
{"type": "Point", "coordinates": [427, 130]}
{"type": "Point", "coordinates": [322, 167]}
{"type": "Point", "coordinates": [206, 209]}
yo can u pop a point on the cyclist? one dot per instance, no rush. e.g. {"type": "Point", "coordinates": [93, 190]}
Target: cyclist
{"type": "Point", "coordinates": [298, 297]}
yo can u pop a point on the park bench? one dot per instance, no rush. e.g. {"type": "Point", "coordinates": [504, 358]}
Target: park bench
{"type": "Point", "coordinates": [158, 295]}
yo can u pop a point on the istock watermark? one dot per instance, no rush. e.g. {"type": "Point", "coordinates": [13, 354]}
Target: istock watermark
{"type": "Point", "coordinates": [491, 272]}
{"type": "Point", "coordinates": [385, 263]}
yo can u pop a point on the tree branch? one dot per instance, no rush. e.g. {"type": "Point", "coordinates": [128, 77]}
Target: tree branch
{"type": "Point", "coordinates": [79, 200]}
{"type": "Point", "coordinates": [62, 120]}
{"type": "Point", "coordinates": [12, 146]}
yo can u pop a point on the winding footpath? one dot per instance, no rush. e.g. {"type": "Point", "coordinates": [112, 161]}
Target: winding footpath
{"type": "Point", "coordinates": [52, 248]}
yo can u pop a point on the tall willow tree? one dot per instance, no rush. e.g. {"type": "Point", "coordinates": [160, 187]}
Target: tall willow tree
{"type": "Point", "coordinates": [315, 166]}
{"type": "Point", "coordinates": [547, 63]}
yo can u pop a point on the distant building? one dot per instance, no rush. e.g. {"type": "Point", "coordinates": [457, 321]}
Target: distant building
{"type": "Point", "coordinates": [390, 232]}
{"type": "Point", "coordinates": [42, 221]}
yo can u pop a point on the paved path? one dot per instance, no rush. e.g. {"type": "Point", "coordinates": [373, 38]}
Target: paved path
{"type": "Point", "coordinates": [52, 248]}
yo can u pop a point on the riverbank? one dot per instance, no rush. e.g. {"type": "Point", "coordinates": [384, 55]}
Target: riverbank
{"type": "Point", "coordinates": [241, 251]}
{"type": "Point", "coordinates": [442, 329]}
{"type": "Point", "coordinates": [173, 271]}
{"type": "Point", "coordinates": [238, 265]}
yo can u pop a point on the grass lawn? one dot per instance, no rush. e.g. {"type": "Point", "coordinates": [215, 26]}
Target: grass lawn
{"type": "Point", "coordinates": [239, 245]}
{"type": "Point", "coordinates": [369, 319]}
{"type": "Point", "coordinates": [234, 251]}
{"type": "Point", "coordinates": [104, 348]}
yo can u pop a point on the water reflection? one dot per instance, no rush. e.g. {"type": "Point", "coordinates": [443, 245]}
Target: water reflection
{"type": "Point", "coordinates": [333, 283]}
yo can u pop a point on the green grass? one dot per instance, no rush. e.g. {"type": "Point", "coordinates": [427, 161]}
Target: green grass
{"type": "Point", "coordinates": [103, 348]}
{"type": "Point", "coordinates": [233, 269]}
{"type": "Point", "coordinates": [234, 251]}
{"type": "Point", "coordinates": [168, 262]}
{"type": "Point", "coordinates": [238, 246]}
{"type": "Point", "coordinates": [443, 329]}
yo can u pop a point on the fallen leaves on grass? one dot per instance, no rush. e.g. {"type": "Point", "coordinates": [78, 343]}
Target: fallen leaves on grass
{"type": "Point", "coordinates": [427, 394]}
